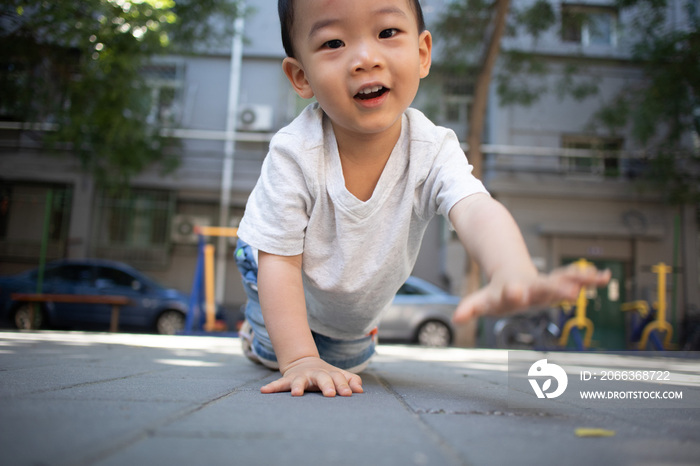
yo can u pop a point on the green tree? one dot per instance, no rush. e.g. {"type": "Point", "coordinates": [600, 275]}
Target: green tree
{"type": "Point", "coordinates": [660, 112]}
{"type": "Point", "coordinates": [472, 32]}
{"type": "Point", "coordinates": [78, 68]}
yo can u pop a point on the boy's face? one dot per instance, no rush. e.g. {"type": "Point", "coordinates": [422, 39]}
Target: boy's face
{"type": "Point", "coordinates": [361, 59]}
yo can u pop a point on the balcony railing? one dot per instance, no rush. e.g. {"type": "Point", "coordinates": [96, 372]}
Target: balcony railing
{"type": "Point", "coordinates": [572, 163]}
{"type": "Point", "coordinates": [589, 164]}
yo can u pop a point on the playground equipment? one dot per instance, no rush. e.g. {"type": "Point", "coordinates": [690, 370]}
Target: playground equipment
{"type": "Point", "coordinates": [539, 332]}
{"type": "Point", "coordinates": [652, 327]}
{"type": "Point", "coordinates": [578, 321]}
{"type": "Point", "coordinates": [203, 282]}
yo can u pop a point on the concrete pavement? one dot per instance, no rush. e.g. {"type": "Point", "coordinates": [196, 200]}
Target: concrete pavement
{"type": "Point", "coordinates": [73, 398]}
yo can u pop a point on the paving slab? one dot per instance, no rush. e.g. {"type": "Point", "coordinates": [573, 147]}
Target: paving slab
{"type": "Point", "coordinates": [78, 398]}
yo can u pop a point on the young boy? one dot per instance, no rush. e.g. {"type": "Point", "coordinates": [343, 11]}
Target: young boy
{"type": "Point", "coordinates": [334, 224]}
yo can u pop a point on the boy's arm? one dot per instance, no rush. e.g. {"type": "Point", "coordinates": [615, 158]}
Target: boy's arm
{"type": "Point", "coordinates": [491, 236]}
{"type": "Point", "coordinates": [283, 305]}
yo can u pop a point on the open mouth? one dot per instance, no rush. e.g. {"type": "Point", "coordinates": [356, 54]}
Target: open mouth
{"type": "Point", "coordinates": [371, 92]}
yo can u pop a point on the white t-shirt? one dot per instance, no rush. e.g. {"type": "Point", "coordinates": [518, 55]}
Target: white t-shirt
{"type": "Point", "coordinates": [356, 254]}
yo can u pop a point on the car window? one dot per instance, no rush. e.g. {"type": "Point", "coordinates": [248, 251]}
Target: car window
{"type": "Point", "coordinates": [114, 277]}
{"type": "Point", "coordinates": [69, 273]}
{"type": "Point", "coordinates": [407, 289]}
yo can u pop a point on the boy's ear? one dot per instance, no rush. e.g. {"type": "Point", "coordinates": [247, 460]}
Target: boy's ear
{"type": "Point", "coordinates": [425, 48]}
{"type": "Point", "coordinates": [297, 77]}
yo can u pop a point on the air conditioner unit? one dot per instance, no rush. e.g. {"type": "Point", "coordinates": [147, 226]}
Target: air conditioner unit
{"type": "Point", "coordinates": [182, 230]}
{"type": "Point", "coordinates": [255, 118]}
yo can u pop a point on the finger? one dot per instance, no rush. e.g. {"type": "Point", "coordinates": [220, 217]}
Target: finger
{"type": "Point", "coordinates": [341, 384]}
{"type": "Point", "coordinates": [325, 383]}
{"type": "Point", "coordinates": [298, 385]}
{"type": "Point", "coordinates": [565, 284]}
{"type": "Point", "coordinates": [471, 307]}
{"type": "Point", "coordinates": [603, 277]}
{"type": "Point", "coordinates": [464, 312]}
{"type": "Point", "coordinates": [571, 279]}
{"type": "Point", "coordinates": [355, 382]}
{"type": "Point", "coordinates": [551, 289]}
{"type": "Point", "coordinates": [588, 275]}
{"type": "Point", "coordinates": [279, 385]}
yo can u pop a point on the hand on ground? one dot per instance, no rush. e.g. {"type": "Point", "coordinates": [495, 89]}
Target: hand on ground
{"type": "Point", "coordinates": [313, 374]}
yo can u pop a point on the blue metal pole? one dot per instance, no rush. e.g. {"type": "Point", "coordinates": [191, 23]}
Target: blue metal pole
{"type": "Point", "coordinates": [196, 294]}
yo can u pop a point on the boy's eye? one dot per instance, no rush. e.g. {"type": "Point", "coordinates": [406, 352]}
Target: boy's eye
{"type": "Point", "coordinates": [334, 44]}
{"type": "Point", "coordinates": [387, 33]}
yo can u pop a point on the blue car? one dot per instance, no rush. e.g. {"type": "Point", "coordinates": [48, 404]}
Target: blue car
{"type": "Point", "coordinates": [152, 307]}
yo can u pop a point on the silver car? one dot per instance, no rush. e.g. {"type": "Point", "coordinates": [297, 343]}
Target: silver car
{"type": "Point", "coordinates": [420, 313]}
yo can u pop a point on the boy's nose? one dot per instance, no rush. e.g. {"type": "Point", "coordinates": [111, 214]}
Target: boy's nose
{"type": "Point", "coordinates": [366, 57]}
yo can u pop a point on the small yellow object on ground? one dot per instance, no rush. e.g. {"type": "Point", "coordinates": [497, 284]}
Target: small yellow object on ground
{"type": "Point", "coordinates": [589, 432]}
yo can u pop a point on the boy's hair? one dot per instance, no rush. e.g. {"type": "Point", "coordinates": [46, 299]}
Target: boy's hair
{"type": "Point", "coordinates": [285, 8]}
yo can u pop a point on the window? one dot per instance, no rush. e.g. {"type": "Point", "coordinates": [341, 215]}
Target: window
{"type": "Point", "coordinates": [70, 274]}
{"type": "Point", "coordinates": [592, 155]}
{"type": "Point", "coordinates": [113, 278]}
{"type": "Point", "coordinates": [14, 76]}
{"type": "Point", "coordinates": [27, 211]}
{"type": "Point", "coordinates": [457, 108]}
{"type": "Point", "coordinates": [166, 82]}
{"type": "Point", "coordinates": [589, 25]}
{"type": "Point", "coordinates": [34, 77]}
{"type": "Point", "coordinates": [134, 227]}
{"type": "Point", "coordinates": [410, 290]}
{"type": "Point", "coordinates": [457, 96]}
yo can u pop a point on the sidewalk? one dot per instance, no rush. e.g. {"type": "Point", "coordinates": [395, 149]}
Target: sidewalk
{"type": "Point", "coordinates": [71, 398]}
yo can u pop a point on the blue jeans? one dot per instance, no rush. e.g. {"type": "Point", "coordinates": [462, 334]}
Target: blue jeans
{"type": "Point", "coordinates": [344, 354]}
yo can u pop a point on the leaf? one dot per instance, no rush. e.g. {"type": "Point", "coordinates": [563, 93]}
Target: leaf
{"type": "Point", "coordinates": [593, 432]}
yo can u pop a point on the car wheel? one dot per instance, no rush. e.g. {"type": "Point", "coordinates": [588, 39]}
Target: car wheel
{"type": "Point", "coordinates": [22, 317]}
{"type": "Point", "coordinates": [170, 322]}
{"type": "Point", "coordinates": [434, 333]}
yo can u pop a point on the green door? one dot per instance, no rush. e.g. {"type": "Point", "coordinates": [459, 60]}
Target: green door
{"type": "Point", "coordinates": [604, 307]}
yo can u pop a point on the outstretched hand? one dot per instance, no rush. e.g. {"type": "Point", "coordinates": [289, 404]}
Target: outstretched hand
{"type": "Point", "coordinates": [314, 374]}
{"type": "Point", "coordinates": [507, 295]}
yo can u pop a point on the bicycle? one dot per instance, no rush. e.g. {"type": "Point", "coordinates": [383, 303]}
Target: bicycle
{"type": "Point", "coordinates": [527, 331]}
